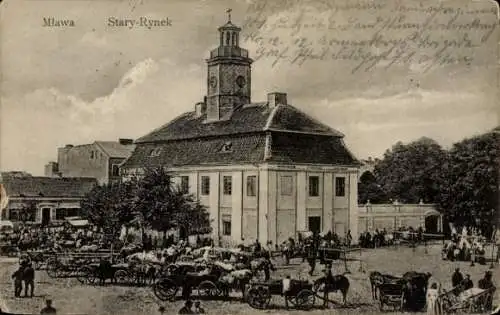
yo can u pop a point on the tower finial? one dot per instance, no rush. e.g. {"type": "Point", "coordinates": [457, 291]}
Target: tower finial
{"type": "Point", "coordinates": [228, 11]}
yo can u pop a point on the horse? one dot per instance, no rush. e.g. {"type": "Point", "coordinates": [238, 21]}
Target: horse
{"type": "Point", "coordinates": [236, 279]}
{"type": "Point", "coordinates": [105, 271]}
{"type": "Point", "coordinates": [333, 284]}
{"type": "Point", "coordinates": [262, 264]}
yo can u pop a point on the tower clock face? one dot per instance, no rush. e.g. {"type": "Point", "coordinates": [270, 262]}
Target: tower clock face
{"type": "Point", "coordinates": [213, 81]}
{"type": "Point", "coordinates": [240, 81]}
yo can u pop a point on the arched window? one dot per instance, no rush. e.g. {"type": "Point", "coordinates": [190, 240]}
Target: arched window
{"type": "Point", "coordinates": [234, 39]}
{"type": "Point", "coordinates": [228, 38]}
{"type": "Point", "coordinates": [237, 39]}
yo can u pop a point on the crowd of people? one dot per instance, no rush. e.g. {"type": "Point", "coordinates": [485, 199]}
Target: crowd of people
{"type": "Point", "coordinates": [382, 237]}
{"type": "Point", "coordinates": [466, 246]}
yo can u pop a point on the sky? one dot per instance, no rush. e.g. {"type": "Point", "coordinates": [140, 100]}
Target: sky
{"type": "Point", "coordinates": [75, 85]}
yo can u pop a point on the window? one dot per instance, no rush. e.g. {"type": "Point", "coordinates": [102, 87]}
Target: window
{"type": "Point", "coordinates": [226, 225]}
{"type": "Point", "coordinates": [227, 180]}
{"type": "Point", "coordinates": [251, 186]}
{"type": "Point", "coordinates": [340, 186]}
{"type": "Point", "coordinates": [184, 184]}
{"type": "Point", "coordinates": [61, 214]}
{"type": "Point", "coordinates": [115, 170]}
{"type": "Point", "coordinates": [226, 147]}
{"type": "Point", "coordinates": [286, 185]}
{"type": "Point", "coordinates": [205, 185]}
{"type": "Point", "coordinates": [91, 154]}
{"type": "Point", "coordinates": [155, 152]}
{"type": "Point", "coordinates": [313, 186]}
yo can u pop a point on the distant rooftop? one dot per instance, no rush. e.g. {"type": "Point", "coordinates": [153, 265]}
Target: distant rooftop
{"type": "Point", "coordinates": [18, 184]}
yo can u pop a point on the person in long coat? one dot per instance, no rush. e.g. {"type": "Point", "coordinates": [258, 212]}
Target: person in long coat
{"type": "Point", "coordinates": [432, 299]}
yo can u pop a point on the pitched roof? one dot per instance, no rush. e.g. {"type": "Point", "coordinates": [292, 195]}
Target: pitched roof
{"type": "Point", "coordinates": [247, 148]}
{"type": "Point", "coordinates": [309, 149]}
{"type": "Point", "coordinates": [284, 147]}
{"type": "Point", "coordinates": [34, 186]}
{"type": "Point", "coordinates": [115, 149]}
{"type": "Point", "coordinates": [251, 118]}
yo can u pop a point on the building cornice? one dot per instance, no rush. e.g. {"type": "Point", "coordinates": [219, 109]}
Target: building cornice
{"type": "Point", "coordinates": [267, 166]}
{"type": "Point", "coordinates": [17, 198]}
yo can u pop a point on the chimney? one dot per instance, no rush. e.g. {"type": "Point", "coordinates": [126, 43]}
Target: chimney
{"type": "Point", "coordinates": [200, 108]}
{"type": "Point", "coordinates": [276, 98]}
{"type": "Point", "coordinates": [123, 141]}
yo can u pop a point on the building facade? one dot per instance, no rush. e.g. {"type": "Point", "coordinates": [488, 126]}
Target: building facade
{"type": "Point", "coordinates": [100, 160]}
{"type": "Point", "coordinates": [264, 170]}
{"type": "Point", "coordinates": [43, 199]}
{"type": "Point", "coordinates": [394, 216]}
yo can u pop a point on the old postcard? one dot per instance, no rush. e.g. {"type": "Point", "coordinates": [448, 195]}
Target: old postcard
{"type": "Point", "coordinates": [249, 156]}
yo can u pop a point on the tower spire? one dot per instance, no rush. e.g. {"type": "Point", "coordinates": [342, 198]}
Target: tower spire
{"type": "Point", "coordinates": [228, 11]}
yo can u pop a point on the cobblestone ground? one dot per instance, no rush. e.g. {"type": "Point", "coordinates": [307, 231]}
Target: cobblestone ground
{"type": "Point", "coordinates": [71, 297]}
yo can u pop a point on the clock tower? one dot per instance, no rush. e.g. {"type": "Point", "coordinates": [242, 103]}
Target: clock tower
{"type": "Point", "coordinates": [228, 80]}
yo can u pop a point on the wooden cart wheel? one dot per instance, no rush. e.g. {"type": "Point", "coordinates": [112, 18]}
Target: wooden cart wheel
{"type": "Point", "coordinates": [165, 289]}
{"type": "Point", "coordinates": [52, 269]}
{"type": "Point", "coordinates": [305, 299]}
{"type": "Point", "coordinates": [208, 289]}
{"type": "Point", "coordinates": [83, 274]}
{"type": "Point", "coordinates": [122, 276]}
{"type": "Point", "coordinates": [259, 297]}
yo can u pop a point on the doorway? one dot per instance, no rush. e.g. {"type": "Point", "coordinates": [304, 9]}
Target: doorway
{"type": "Point", "coordinates": [315, 224]}
{"type": "Point", "coordinates": [431, 224]}
{"type": "Point", "coordinates": [45, 216]}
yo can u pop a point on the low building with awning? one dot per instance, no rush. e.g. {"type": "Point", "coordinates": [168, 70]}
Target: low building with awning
{"type": "Point", "coordinates": [43, 200]}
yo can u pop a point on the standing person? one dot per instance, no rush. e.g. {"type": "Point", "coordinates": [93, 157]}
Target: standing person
{"type": "Point", "coordinates": [311, 258]}
{"type": "Point", "coordinates": [198, 309]}
{"type": "Point", "coordinates": [348, 238]}
{"type": "Point", "coordinates": [48, 309]}
{"type": "Point", "coordinates": [29, 279]}
{"type": "Point", "coordinates": [18, 281]}
{"type": "Point", "coordinates": [328, 281]}
{"type": "Point", "coordinates": [287, 283]}
{"type": "Point", "coordinates": [456, 280]}
{"type": "Point", "coordinates": [467, 283]}
{"type": "Point", "coordinates": [432, 299]}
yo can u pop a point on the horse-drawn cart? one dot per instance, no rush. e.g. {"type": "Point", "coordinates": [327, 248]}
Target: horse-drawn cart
{"type": "Point", "coordinates": [391, 294]}
{"type": "Point", "coordinates": [300, 293]}
{"type": "Point", "coordinates": [88, 274]}
{"type": "Point", "coordinates": [188, 276]}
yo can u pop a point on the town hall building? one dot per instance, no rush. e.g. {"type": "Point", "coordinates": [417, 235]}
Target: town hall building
{"type": "Point", "coordinates": [264, 170]}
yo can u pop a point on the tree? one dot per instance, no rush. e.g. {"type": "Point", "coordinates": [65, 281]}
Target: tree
{"type": "Point", "coordinates": [161, 206]}
{"type": "Point", "coordinates": [191, 217]}
{"type": "Point", "coordinates": [109, 206]}
{"type": "Point", "coordinates": [154, 201]}
{"type": "Point", "coordinates": [412, 172]}
{"type": "Point", "coordinates": [470, 196]}
{"type": "Point", "coordinates": [370, 190]}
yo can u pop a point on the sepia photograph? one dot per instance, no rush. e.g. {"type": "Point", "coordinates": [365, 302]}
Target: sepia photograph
{"type": "Point", "coordinates": [249, 157]}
